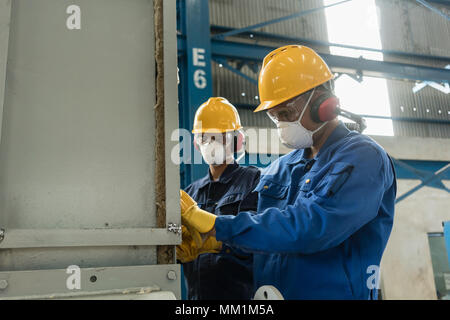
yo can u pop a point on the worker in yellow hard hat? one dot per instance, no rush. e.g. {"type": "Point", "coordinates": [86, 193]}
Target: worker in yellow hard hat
{"type": "Point", "coordinates": [214, 270]}
{"type": "Point", "coordinates": [325, 210]}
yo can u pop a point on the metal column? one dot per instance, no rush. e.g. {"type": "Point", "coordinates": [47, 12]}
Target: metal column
{"type": "Point", "coordinates": [196, 74]}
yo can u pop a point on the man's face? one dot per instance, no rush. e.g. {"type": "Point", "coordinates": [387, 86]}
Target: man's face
{"type": "Point", "coordinates": [216, 148]}
{"type": "Point", "coordinates": [291, 110]}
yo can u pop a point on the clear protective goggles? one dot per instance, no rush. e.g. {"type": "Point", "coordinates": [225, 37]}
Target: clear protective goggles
{"type": "Point", "coordinates": [206, 138]}
{"type": "Point", "coordinates": [291, 110]}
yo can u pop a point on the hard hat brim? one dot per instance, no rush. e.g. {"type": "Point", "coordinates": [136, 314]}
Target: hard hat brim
{"type": "Point", "coordinates": [267, 105]}
{"type": "Point", "coordinates": [212, 130]}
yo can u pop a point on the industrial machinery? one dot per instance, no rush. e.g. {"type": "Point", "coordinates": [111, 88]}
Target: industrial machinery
{"type": "Point", "coordinates": [89, 200]}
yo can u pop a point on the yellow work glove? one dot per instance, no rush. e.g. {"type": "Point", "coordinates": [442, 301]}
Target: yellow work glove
{"type": "Point", "coordinates": [188, 251]}
{"type": "Point", "coordinates": [195, 219]}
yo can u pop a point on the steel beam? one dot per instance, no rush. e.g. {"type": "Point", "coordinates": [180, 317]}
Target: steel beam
{"type": "Point", "coordinates": [277, 38]}
{"type": "Point", "coordinates": [422, 166]}
{"type": "Point", "coordinates": [263, 24]}
{"type": "Point", "coordinates": [421, 173]}
{"type": "Point", "coordinates": [432, 180]}
{"type": "Point", "coordinates": [339, 64]}
{"type": "Point", "coordinates": [196, 73]}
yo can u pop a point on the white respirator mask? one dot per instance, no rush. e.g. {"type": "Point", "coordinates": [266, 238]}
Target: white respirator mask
{"type": "Point", "coordinates": [217, 153]}
{"type": "Point", "coordinates": [293, 135]}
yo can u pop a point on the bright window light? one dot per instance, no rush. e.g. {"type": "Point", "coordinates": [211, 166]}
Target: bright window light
{"type": "Point", "coordinates": [356, 23]}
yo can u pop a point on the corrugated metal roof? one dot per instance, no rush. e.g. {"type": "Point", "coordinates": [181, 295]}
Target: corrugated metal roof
{"type": "Point", "coordinates": [405, 26]}
{"type": "Point", "coordinates": [242, 13]}
{"type": "Point", "coordinates": [409, 26]}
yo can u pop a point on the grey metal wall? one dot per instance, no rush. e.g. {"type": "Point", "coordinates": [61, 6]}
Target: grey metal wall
{"type": "Point", "coordinates": [77, 149]}
{"type": "Point", "coordinates": [242, 13]}
{"type": "Point", "coordinates": [409, 26]}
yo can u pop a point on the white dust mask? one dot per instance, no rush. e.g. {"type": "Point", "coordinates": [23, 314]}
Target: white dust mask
{"type": "Point", "coordinates": [215, 153]}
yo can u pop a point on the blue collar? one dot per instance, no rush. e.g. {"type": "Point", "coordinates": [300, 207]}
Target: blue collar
{"type": "Point", "coordinates": [338, 133]}
{"type": "Point", "coordinates": [226, 176]}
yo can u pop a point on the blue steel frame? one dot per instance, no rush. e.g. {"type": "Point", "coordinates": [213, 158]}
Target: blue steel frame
{"type": "Point", "coordinates": [339, 64]}
{"type": "Point", "coordinates": [195, 73]}
{"type": "Point", "coordinates": [306, 41]}
{"type": "Point", "coordinates": [430, 179]}
{"type": "Point", "coordinates": [195, 32]}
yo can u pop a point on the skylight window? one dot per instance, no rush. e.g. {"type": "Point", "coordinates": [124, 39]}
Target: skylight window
{"type": "Point", "coordinates": [356, 23]}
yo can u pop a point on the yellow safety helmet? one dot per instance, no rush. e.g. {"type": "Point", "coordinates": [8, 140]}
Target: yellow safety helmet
{"type": "Point", "coordinates": [217, 115]}
{"type": "Point", "coordinates": [288, 72]}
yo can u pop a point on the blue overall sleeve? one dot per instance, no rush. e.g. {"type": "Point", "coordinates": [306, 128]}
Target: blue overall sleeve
{"type": "Point", "coordinates": [317, 222]}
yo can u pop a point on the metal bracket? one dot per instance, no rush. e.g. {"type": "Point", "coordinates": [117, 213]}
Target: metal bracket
{"type": "Point", "coordinates": [175, 228]}
{"type": "Point", "coordinates": [2, 234]}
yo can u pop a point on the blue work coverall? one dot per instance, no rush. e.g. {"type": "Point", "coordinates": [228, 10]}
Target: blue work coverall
{"type": "Point", "coordinates": [228, 274]}
{"type": "Point", "coordinates": [322, 224]}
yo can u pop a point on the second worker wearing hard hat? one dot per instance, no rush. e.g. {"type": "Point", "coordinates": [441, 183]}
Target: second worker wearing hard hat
{"type": "Point", "coordinates": [213, 270]}
{"type": "Point", "coordinates": [325, 210]}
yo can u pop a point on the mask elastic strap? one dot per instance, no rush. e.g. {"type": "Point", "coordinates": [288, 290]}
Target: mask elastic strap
{"type": "Point", "coordinates": [240, 157]}
{"type": "Point", "coordinates": [306, 105]}
{"type": "Point", "coordinates": [303, 112]}
{"type": "Point", "coordinates": [320, 127]}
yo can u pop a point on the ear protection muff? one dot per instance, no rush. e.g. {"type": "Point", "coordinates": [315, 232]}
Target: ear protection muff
{"type": "Point", "coordinates": [324, 108]}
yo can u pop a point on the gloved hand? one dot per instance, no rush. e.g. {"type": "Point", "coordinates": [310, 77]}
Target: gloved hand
{"type": "Point", "coordinates": [188, 251]}
{"type": "Point", "coordinates": [196, 220]}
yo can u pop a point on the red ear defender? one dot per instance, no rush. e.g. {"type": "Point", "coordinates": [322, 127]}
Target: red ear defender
{"type": "Point", "coordinates": [324, 108]}
{"type": "Point", "coordinates": [327, 107]}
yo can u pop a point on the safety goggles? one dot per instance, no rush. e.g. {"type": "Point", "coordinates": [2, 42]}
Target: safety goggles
{"type": "Point", "coordinates": [206, 138]}
{"type": "Point", "coordinates": [291, 110]}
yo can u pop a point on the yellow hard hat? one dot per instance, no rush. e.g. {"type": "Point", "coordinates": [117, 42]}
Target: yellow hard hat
{"type": "Point", "coordinates": [288, 72]}
{"type": "Point", "coordinates": [217, 115]}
